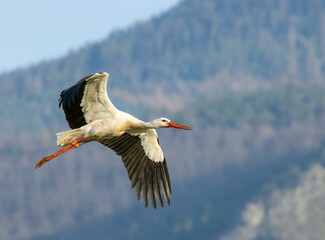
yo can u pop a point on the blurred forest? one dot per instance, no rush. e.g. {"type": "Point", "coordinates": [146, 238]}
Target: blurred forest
{"type": "Point", "coordinates": [247, 75]}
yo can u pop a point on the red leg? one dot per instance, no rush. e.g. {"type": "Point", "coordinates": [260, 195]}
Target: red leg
{"type": "Point", "coordinates": [72, 145]}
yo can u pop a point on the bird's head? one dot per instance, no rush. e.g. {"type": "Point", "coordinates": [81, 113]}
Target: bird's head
{"type": "Point", "coordinates": [166, 123]}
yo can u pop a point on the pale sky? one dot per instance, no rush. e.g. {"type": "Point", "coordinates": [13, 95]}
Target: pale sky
{"type": "Point", "coordinates": [36, 30]}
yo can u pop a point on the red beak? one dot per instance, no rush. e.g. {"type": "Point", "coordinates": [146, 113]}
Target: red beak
{"type": "Point", "coordinates": [180, 126]}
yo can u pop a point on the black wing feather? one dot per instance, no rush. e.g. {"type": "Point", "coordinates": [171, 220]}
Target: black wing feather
{"type": "Point", "coordinates": [157, 187]}
{"type": "Point", "coordinates": [147, 176]}
{"type": "Point", "coordinates": [150, 181]}
{"type": "Point", "coordinates": [70, 100]}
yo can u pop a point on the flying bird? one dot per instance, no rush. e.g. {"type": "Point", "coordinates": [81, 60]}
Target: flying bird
{"type": "Point", "coordinates": [92, 117]}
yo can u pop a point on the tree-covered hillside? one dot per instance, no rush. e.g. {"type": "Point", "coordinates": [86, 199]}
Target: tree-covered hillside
{"type": "Point", "coordinates": [214, 188]}
{"type": "Point", "coordinates": [246, 75]}
{"type": "Point", "coordinates": [237, 160]}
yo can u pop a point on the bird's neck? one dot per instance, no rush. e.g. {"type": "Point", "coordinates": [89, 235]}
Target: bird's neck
{"type": "Point", "coordinates": [131, 123]}
{"type": "Point", "coordinates": [138, 126]}
{"type": "Point", "coordinates": [146, 125]}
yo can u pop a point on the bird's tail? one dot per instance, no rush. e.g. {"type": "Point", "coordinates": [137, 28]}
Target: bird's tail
{"type": "Point", "coordinates": [64, 138]}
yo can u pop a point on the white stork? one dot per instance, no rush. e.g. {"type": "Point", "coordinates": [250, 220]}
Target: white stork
{"type": "Point", "coordinates": [92, 117]}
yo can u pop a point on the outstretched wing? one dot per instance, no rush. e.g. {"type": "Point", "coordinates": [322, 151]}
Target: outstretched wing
{"type": "Point", "coordinates": [145, 164]}
{"type": "Point", "coordinates": [87, 101]}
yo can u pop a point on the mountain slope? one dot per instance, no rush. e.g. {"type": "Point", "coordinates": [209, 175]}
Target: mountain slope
{"type": "Point", "coordinates": [198, 49]}
{"type": "Point", "coordinates": [290, 213]}
{"type": "Point", "coordinates": [193, 42]}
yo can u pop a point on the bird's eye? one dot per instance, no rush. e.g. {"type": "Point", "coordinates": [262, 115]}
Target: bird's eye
{"type": "Point", "coordinates": [164, 120]}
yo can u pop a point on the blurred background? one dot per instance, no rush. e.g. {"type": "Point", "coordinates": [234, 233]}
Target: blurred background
{"type": "Point", "coordinates": [247, 75]}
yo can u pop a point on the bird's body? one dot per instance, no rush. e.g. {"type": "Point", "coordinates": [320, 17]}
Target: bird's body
{"type": "Point", "coordinates": [92, 117]}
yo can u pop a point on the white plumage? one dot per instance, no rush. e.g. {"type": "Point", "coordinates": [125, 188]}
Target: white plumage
{"type": "Point", "coordinates": [92, 117]}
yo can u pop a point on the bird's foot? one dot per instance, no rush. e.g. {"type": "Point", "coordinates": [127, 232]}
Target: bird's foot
{"type": "Point", "coordinates": [72, 145]}
{"type": "Point", "coordinates": [40, 163]}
